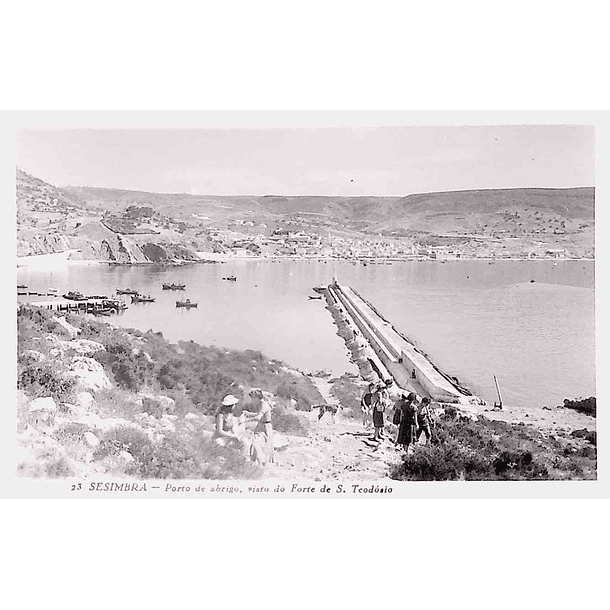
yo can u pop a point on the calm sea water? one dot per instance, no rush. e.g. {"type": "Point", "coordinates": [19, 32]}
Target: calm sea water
{"type": "Point", "coordinates": [473, 319]}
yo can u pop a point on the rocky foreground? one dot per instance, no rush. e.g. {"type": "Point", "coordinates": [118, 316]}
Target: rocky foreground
{"type": "Point", "coordinates": [97, 400]}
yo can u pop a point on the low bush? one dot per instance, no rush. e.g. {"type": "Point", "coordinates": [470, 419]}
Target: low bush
{"type": "Point", "coordinates": [582, 405]}
{"type": "Point", "coordinates": [588, 435]}
{"type": "Point", "coordinates": [174, 457]}
{"type": "Point", "coordinates": [42, 380]}
{"type": "Point", "coordinates": [130, 370]}
{"type": "Point", "coordinates": [348, 394]}
{"type": "Point", "coordinates": [288, 423]}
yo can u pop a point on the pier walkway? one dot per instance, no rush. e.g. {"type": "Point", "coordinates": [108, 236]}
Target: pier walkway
{"type": "Point", "coordinates": [409, 367]}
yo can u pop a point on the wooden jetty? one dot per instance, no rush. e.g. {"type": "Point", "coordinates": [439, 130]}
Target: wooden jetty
{"type": "Point", "coordinates": [87, 306]}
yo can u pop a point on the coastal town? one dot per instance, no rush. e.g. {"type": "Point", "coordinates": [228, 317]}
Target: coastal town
{"type": "Point", "coordinates": [124, 227]}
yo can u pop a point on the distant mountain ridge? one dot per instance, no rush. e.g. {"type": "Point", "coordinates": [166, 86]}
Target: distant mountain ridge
{"type": "Point", "coordinates": [561, 218]}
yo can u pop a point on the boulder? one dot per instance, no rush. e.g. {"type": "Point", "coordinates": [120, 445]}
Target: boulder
{"type": "Point", "coordinates": [42, 412]}
{"type": "Point", "coordinates": [71, 330]}
{"type": "Point", "coordinates": [39, 455]}
{"type": "Point", "coordinates": [157, 405]}
{"type": "Point", "coordinates": [32, 355]}
{"type": "Point", "coordinates": [280, 441]}
{"type": "Point", "coordinates": [89, 374]}
{"type": "Point", "coordinates": [84, 401]}
{"type": "Point", "coordinates": [126, 456]}
{"type": "Point", "coordinates": [91, 439]}
{"type": "Point", "coordinates": [84, 346]}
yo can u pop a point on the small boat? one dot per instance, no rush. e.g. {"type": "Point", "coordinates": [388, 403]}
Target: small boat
{"type": "Point", "coordinates": [102, 312]}
{"type": "Point", "coordinates": [115, 305]}
{"type": "Point", "coordinates": [74, 296]}
{"type": "Point", "coordinates": [314, 298]}
{"type": "Point", "coordinates": [142, 299]}
{"type": "Point", "coordinates": [22, 294]}
{"type": "Point", "coordinates": [319, 289]}
{"type": "Point", "coordinates": [22, 286]}
{"type": "Point", "coordinates": [231, 278]}
{"type": "Point", "coordinates": [186, 303]}
{"type": "Point", "coordinates": [98, 296]}
{"type": "Point", "coordinates": [52, 290]}
{"type": "Point", "coordinates": [127, 291]}
{"type": "Point", "coordinates": [174, 286]}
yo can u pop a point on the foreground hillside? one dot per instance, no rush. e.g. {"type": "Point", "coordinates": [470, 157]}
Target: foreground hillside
{"type": "Point", "coordinates": [97, 400]}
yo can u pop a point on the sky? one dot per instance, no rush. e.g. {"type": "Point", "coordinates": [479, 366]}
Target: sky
{"type": "Point", "coordinates": [373, 161]}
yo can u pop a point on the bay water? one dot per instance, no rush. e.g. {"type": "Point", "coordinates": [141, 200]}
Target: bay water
{"type": "Point", "coordinates": [473, 319]}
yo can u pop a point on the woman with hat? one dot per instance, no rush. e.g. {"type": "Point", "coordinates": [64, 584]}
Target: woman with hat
{"type": "Point", "coordinates": [262, 445]}
{"type": "Point", "coordinates": [226, 423]}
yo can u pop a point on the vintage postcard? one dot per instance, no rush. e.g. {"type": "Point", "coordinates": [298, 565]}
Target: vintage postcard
{"type": "Point", "coordinates": [260, 310]}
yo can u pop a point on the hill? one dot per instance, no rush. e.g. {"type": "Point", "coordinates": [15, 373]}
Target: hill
{"type": "Point", "coordinates": [52, 219]}
{"type": "Point", "coordinates": [480, 222]}
{"type": "Point", "coordinates": [456, 211]}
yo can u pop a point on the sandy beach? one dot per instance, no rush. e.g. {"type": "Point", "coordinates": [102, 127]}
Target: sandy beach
{"type": "Point", "coordinates": [53, 260]}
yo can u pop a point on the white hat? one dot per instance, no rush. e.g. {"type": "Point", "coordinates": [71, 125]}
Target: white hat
{"type": "Point", "coordinates": [229, 401]}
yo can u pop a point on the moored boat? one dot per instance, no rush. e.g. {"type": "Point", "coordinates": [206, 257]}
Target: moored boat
{"type": "Point", "coordinates": [102, 312]}
{"type": "Point", "coordinates": [127, 291]}
{"type": "Point", "coordinates": [74, 296]}
{"type": "Point", "coordinates": [231, 278]}
{"type": "Point", "coordinates": [174, 286]}
{"type": "Point", "coordinates": [186, 303]}
{"type": "Point", "coordinates": [142, 299]}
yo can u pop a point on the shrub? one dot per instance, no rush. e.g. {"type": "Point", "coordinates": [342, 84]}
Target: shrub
{"type": "Point", "coordinates": [288, 423]}
{"type": "Point", "coordinates": [42, 380]}
{"type": "Point", "coordinates": [130, 370]}
{"type": "Point", "coordinates": [348, 394]}
{"type": "Point", "coordinates": [588, 435]}
{"type": "Point", "coordinates": [582, 405]}
{"type": "Point", "coordinates": [123, 438]}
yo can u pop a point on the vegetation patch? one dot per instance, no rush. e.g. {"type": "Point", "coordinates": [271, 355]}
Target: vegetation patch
{"type": "Point", "coordinates": [582, 405]}
{"type": "Point", "coordinates": [487, 450]}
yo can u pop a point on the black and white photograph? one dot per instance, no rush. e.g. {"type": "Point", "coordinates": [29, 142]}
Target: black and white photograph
{"type": "Point", "coordinates": [294, 311]}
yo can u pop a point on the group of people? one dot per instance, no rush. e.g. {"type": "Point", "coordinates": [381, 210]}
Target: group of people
{"type": "Point", "coordinates": [413, 417]}
{"type": "Point", "coordinates": [236, 431]}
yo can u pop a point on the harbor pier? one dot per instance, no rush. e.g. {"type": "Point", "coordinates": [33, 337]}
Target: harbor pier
{"type": "Point", "coordinates": [382, 352]}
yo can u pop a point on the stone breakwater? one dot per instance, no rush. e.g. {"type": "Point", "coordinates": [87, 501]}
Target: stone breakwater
{"type": "Point", "coordinates": [381, 352]}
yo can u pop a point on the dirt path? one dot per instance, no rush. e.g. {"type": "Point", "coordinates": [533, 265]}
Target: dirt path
{"type": "Point", "coordinates": [339, 449]}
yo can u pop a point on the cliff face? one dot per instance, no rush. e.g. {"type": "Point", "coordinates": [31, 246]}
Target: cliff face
{"type": "Point", "coordinates": [51, 220]}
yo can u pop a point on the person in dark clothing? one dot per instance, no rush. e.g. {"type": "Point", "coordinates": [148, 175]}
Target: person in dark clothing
{"type": "Point", "coordinates": [424, 419]}
{"type": "Point", "coordinates": [408, 421]}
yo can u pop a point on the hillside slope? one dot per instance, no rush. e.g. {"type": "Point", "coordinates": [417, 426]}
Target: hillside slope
{"type": "Point", "coordinates": [535, 219]}
{"type": "Point", "coordinates": [97, 400]}
{"type": "Point", "coordinates": [51, 219]}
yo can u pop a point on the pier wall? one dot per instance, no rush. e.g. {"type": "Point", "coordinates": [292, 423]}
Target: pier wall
{"type": "Point", "coordinates": [409, 368]}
